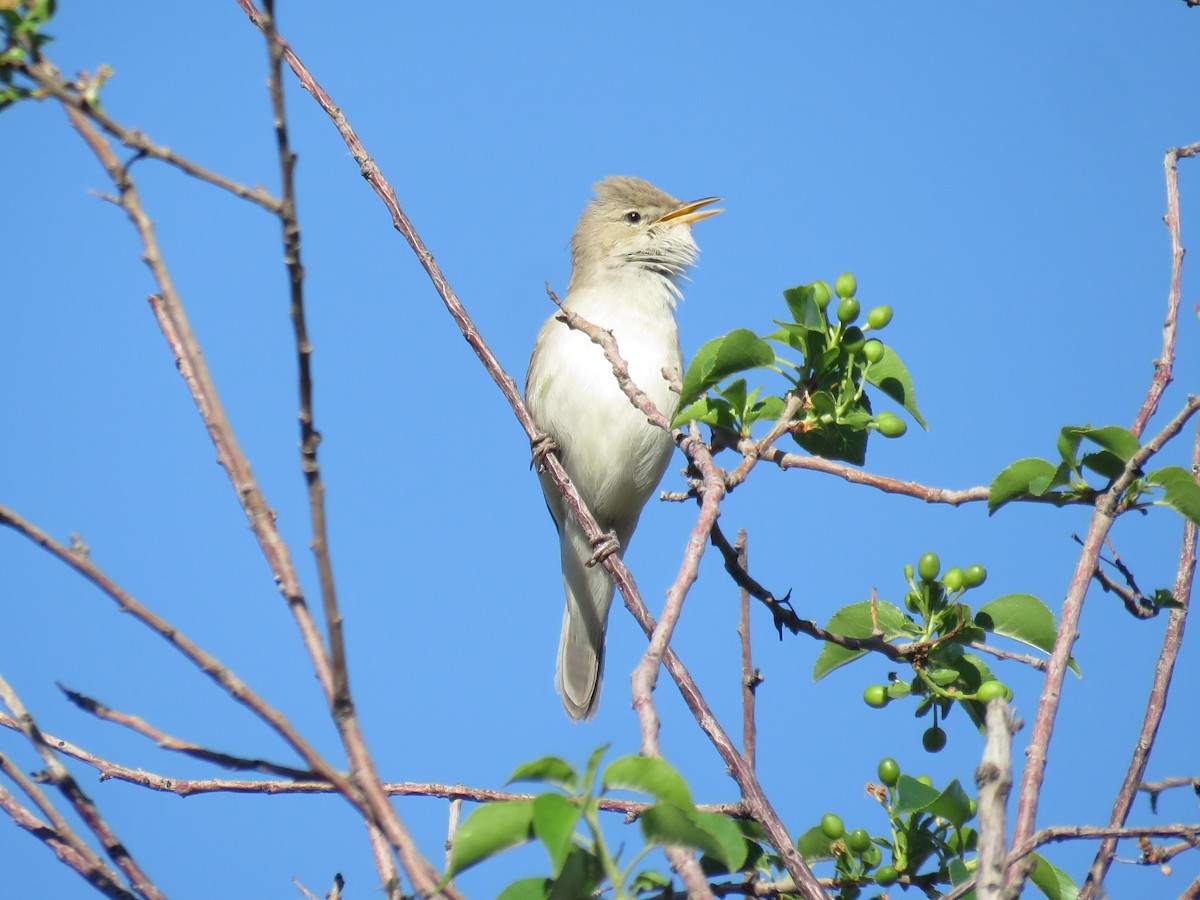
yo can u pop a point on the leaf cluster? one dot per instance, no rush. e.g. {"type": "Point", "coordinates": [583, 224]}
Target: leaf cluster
{"type": "Point", "coordinates": [927, 844]}
{"type": "Point", "coordinates": [565, 821]}
{"type": "Point", "coordinates": [21, 35]}
{"type": "Point", "coordinates": [936, 629]}
{"type": "Point", "coordinates": [1087, 453]}
{"type": "Point", "coordinates": [826, 362]}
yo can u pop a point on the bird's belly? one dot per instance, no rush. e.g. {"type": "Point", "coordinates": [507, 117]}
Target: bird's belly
{"type": "Point", "coordinates": [610, 450]}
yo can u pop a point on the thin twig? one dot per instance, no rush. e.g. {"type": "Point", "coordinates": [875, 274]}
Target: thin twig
{"type": "Point", "coordinates": [53, 84]}
{"type": "Point", "coordinates": [169, 742]}
{"type": "Point", "coordinates": [750, 675]}
{"type": "Point", "coordinates": [185, 787]}
{"type": "Point", "coordinates": [1059, 833]}
{"type": "Point", "coordinates": [58, 833]}
{"type": "Point", "coordinates": [205, 662]}
{"type": "Point", "coordinates": [1164, 365]}
{"type": "Point", "coordinates": [57, 774]}
{"type": "Point", "coordinates": [1098, 528]}
{"type": "Point", "coordinates": [1156, 703]}
{"type": "Point", "coordinates": [1101, 522]}
{"type": "Point", "coordinates": [66, 848]}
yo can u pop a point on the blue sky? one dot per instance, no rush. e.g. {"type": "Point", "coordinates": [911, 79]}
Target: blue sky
{"type": "Point", "coordinates": [995, 177]}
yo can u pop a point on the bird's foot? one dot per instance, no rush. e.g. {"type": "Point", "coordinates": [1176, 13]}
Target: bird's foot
{"type": "Point", "coordinates": [541, 445]}
{"type": "Point", "coordinates": [604, 546]}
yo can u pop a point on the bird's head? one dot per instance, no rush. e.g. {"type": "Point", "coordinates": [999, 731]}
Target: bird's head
{"type": "Point", "coordinates": [631, 222]}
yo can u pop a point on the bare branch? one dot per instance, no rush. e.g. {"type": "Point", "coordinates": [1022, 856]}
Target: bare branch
{"type": "Point", "coordinates": [750, 675]}
{"type": "Point", "coordinates": [168, 742]}
{"type": "Point", "coordinates": [50, 82]}
{"type": "Point", "coordinates": [1164, 365]}
{"type": "Point", "coordinates": [1101, 522]}
{"type": "Point", "coordinates": [63, 844]}
{"type": "Point", "coordinates": [993, 778]}
{"type": "Point", "coordinates": [58, 775]}
{"type": "Point", "coordinates": [1156, 703]}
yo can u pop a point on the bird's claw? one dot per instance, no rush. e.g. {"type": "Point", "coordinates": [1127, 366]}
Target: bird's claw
{"type": "Point", "coordinates": [604, 546]}
{"type": "Point", "coordinates": [541, 445]}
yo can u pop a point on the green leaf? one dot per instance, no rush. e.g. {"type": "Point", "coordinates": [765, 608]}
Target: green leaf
{"type": "Point", "coordinates": [554, 818]}
{"type": "Point", "coordinates": [489, 830]}
{"type": "Point", "coordinates": [1181, 492]}
{"type": "Point", "coordinates": [549, 769]}
{"type": "Point", "coordinates": [1116, 440]}
{"type": "Point", "coordinates": [649, 880]}
{"type": "Point", "coordinates": [891, 377]}
{"type": "Point", "coordinates": [580, 877]}
{"type": "Point", "coordinates": [668, 824]}
{"type": "Point", "coordinates": [1025, 476]}
{"type": "Point", "coordinates": [769, 408]}
{"type": "Point", "coordinates": [730, 842]}
{"type": "Point", "coordinates": [837, 441]}
{"type": "Point", "coordinates": [951, 804]}
{"type": "Point", "coordinates": [972, 672]}
{"type": "Point", "coordinates": [593, 764]}
{"type": "Point", "coordinates": [1164, 599]}
{"type": "Point", "coordinates": [1022, 617]}
{"type": "Point", "coordinates": [912, 795]}
{"type": "Point", "coordinates": [804, 308]}
{"type": "Point", "coordinates": [855, 620]}
{"type": "Point", "coordinates": [527, 889]}
{"type": "Point", "coordinates": [735, 392]}
{"type": "Point", "coordinates": [648, 775]}
{"type": "Point", "coordinates": [1103, 462]}
{"type": "Point", "coordinates": [1052, 881]}
{"type": "Point", "coordinates": [710, 411]}
{"type": "Point", "coordinates": [814, 846]}
{"type": "Point", "coordinates": [721, 357]}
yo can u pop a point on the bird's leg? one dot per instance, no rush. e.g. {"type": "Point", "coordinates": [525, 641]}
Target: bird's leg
{"type": "Point", "coordinates": [541, 444]}
{"type": "Point", "coordinates": [604, 546]}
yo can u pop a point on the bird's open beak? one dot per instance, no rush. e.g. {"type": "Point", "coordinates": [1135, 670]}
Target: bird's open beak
{"type": "Point", "coordinates": [691, 212]}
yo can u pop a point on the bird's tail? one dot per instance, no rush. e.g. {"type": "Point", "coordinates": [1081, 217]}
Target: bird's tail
{"type": "Point", "coordinates": [581, 646]}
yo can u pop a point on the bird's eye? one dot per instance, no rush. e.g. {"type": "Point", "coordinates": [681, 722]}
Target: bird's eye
{"type": "Point", "coordinates": [633, 217]}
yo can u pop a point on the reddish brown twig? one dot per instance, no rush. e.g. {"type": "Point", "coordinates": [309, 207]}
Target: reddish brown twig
{"type": "Point", "coordinates": [1156, 703]}
{"type": "Point", "coordinates": [52, 84]}
{"type": "Point", "coordinates": [57, 774]}
{"type": "Point", "coordinates": [750, 675]}
{"type": "Point", "coordinates": [168, 742]}
{"type": "Point", "coordinates": [63, 843]}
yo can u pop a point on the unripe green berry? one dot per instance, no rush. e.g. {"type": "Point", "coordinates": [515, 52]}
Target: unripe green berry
{"type": "Point", "coordinates": [859, 840]}
{"type": "Point", "coordinates": [853, 340]}
{"type": "Point", "coordinates": [832, 827]}
{"type": "Point", "coordinates": [890, 424]}
{"type": "Point", "coordinates": [889, 771]}
{"type": "Point", "coordinates": [822, 293]}
{"type": "Point", "coordinates": [953, 579]}
{"type": "Point", "coordinates": [848, 310]}
{"type": "Point", "coordinates": [876, 696]}
{"type": "Point", "coordinates": [928, 566]}
{"type": "Point", "coordinates": [872, 351]}
{"type": "Point", "coordinates": [934, 739]}
{"type": "Point", "coordinates": [992, 690]}
{"type": "Point", "coordinates": [879, 317]}
{"type": "Point", "coordinates": [846, 285]}
{"type": "Point", "coordinates": [974, 575]}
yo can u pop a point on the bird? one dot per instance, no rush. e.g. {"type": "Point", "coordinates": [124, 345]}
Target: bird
{"type": "Point", "coordinates": [630, 252]}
